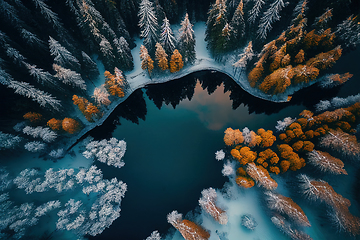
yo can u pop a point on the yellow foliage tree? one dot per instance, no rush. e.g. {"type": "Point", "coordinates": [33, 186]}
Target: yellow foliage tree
{"type": "Point", "coordinates": [267, 137]}
{"type": "Point", "coordinates": [161, 57]}
{"type": "Point", "coordinates": [176, 62]}
{"type": "Point", "coordinates": [233, 137]}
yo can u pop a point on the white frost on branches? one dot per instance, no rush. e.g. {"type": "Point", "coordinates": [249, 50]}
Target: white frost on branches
{"type": "Point", "coordinates": [155, 235]}
{"type": "Point", "coordinates": [43, 98]}
{"type": "Point", "coordinates": [148, 23]}
{"type": "Point", "coordinates": [62, 56]}
{"type": "Point", "coordinates": [270, 16]}
{"type": "Point", "coordinates": [35, 146]}
{"type": "Point", "coordinates": [281, 125]}
{"type": "Point", "coordinates": [245, 57]}
{"type": "Point", "coordinates": [167, 38]}
{"type": "Point", "coordinates": [207, 202]}
{"type": "Point", "coordinates": [219, 155]}
{"type": "Point", "coordinates": [228, 169]}
{"type": "Point", "coordinates": [255, 11]}
{"type": "Point", "coordinates": [110, 151]}
{"type": "Point", "coordinates": [69, 77]}
{"type": "Point", "coordinates": [45, 134]}
{"type": "Point", "coordinates": [8, 141]}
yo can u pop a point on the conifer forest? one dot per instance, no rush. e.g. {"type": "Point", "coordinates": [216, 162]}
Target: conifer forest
{"type": "Point", "coordinates": [179, 119]}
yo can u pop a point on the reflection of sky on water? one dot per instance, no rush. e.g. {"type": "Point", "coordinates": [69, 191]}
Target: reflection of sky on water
{"type": "Point", "coordinates": [214, 110]}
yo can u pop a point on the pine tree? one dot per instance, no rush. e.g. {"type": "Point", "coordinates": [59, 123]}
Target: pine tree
{"type": "Point", "coordinates": [214, 27]}
{"type": "Point", "coordinates": [161, 57]}
{"type": "Point", "coordinates": [270, 16]}
{"type": "Point", "coordinates": [40, 76]}
{"type": "Point", "coordinates": [62, 56]}
{"type": "Point", "coordinates": [186, 40]}
{"type": "Point", "coordinates": [167, 38]}
{"type": "Point", "coordinates": [146, 61]}
{"type": "Point", "coordinates": [238, 24]}
{"type": "Point", "coordinates": [255, 11]}
{"type": "Point", "coordinates": [176, 62]}
{"type": "Point", "coordinates": [244, 57]}
{"type": "Point", "coordinates": [148, 24]}
{"type": "Point", "coordinates": [43, 98]}
{"type": "Point", "coordinates": [69, 77]}
{"type": "Point", "coordinates": [125, 58]}
{"type": "Point", "coordinates": [49, 15]}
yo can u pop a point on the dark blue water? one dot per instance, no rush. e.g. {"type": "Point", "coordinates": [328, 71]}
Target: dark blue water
{"type": "Point", "coordinates": [172, 131]}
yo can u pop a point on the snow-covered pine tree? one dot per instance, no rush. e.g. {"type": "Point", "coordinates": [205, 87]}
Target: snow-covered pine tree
{"type": "Point", "coordinates": [44, 99]}
{"type": "Point", "coordinates": [167, 38]}
{"type": "Point", "coordinates": [148, 24]}
{"type": "Point", "coordinates": [32, 39]}
{"type": "Point", "coordinates": [271, 15]}
{"type": "Point", "coordinates": [62, 56]}
{"type": "Point", "coordinates": [161, 57]}
{"type": "Point", "coordinates": [41, 76]}
{"type": "Point", "coordinates": [8, 141]}
{"type": "Point", "coordinates": [245, 57]}
{"type": "Point", "coordinates": [255, 11]}
{"type": "Point", "coordinates": [125, 58]}
{"type": "Point", "coordinates": [69, 77]}
{"type": "Point", "coordinates": [238, 24]}
{"type": "Point", "coordinates": [186, 41]}
{"type": "Point", "coordinates": [49, 15]}
{"type": "Point", "coordinates": [349, 32]}
{"type": "Point", "coordinates": [215, 24]}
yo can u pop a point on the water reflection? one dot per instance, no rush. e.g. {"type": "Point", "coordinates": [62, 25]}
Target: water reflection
{"type": "Point", "coordinates": [212, 105]}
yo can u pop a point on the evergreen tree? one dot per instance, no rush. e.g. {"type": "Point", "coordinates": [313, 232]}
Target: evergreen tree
{"type": "Point", "coordinates": [255, 11]}
{"type": "Point", "coordinates": [214, 27]}
{"type": "Point", "coordinates": [44, 99]}
{"type": "Point", "coordinates": [146, 62]}
{"type": "Point", "coordinates": [167, 38]}
{"type": "Point", "coordinates": [176, 62]}
{"type": "Point", "coordinates": [186, 41]}
{"type": "Point", "coordinates": [125, 58]}
{"type": "Point", "coordinates": [148, 24]}
{"type": "Point", "coordinates": [69, 77]}
{"type": "Point", "coordinates": [161, 57]}
{"type": "Point", "coordinates": [62, 56]}
{"type": "Point", "coordinates": [40, 76]}
{"type": "Point", "coordinates": [238, 24]}
{"type": "Point", "coordinates": [270, 16]}
{"type": "Point", "coordinates": [244, 57]}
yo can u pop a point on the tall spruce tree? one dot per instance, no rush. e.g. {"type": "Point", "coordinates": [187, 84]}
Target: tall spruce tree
{"type": "Point", "coordinates": [148, 24]}
{"type": "Point", "coordinates": [187, 41]}
{"type": "Point", "coordinates": [215, 24]}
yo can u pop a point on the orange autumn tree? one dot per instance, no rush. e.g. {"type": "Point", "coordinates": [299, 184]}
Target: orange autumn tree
{"type": "Point", "coordinates": [188, 229]}
{"type": "Point", "coordinates": [244, 155]}
{"type": "Point", "coordinates": [54, 124]}
{"type": "Point", "coordinates": [243, 179]}
{"type": "Point", "coordinates": [146, 62]}
{"type": "Point", "coordinates": [114, 84]}
{"type": "Point", "coordinates": [287, 153]}
{"type": "Point", "coordinates": [70, 125]}
{"type": "Point", "coordinates": [33, 117]}
{"type": "Point", "coordinates": [176, 62]}
{"type": "Point", "coordinates": [233, 137]}
{"type": "Point", "coordinates": [87, 108]}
